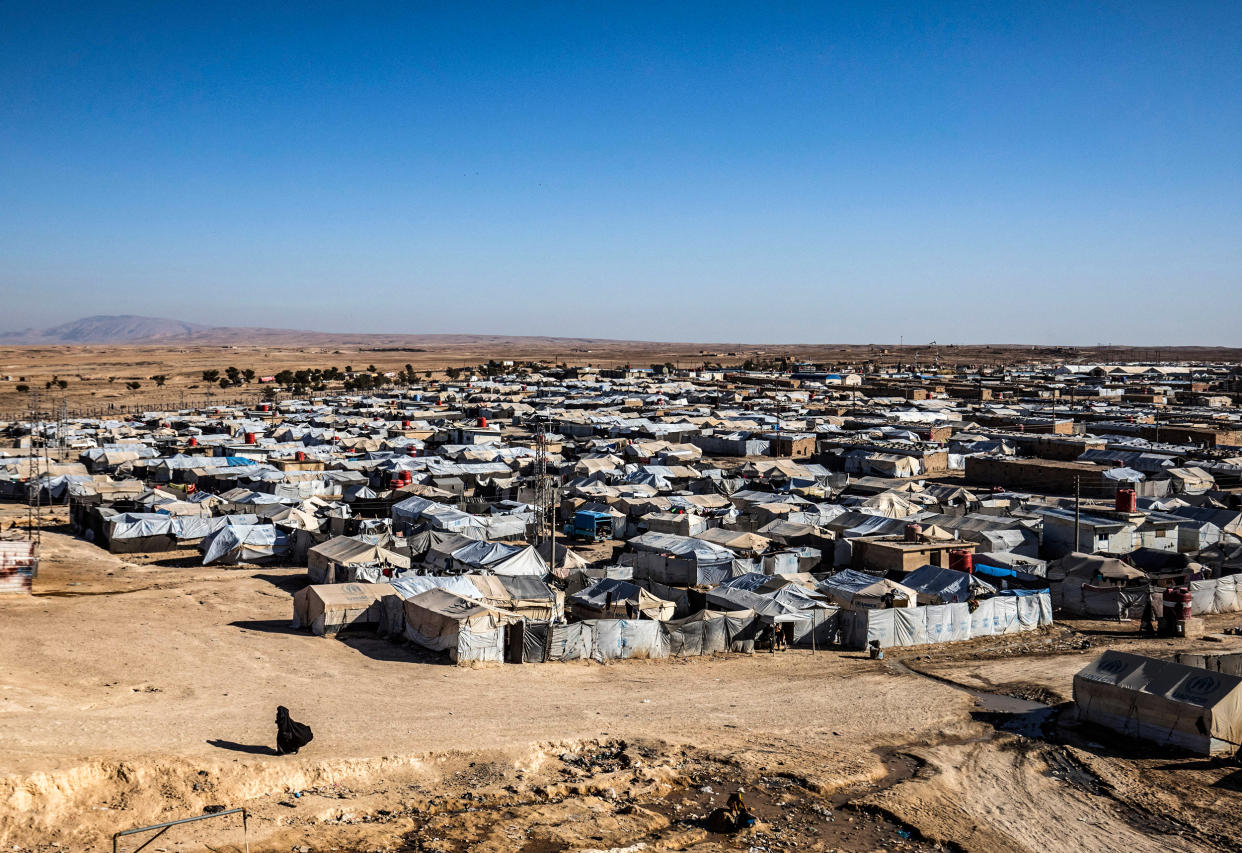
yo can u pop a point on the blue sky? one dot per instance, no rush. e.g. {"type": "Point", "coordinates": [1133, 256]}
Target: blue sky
{"type": "Point", "coordinates": [759, 172]}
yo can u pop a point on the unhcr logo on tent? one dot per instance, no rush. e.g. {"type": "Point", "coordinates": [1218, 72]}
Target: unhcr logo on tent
{"type": "Point", "coordinates": [1197, 689]}
{"type": "Point", "coordinates": [1112, 666]}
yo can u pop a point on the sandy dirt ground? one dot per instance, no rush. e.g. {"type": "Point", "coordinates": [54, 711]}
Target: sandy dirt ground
{"type": "Point", "coordinates": [142, 689]}
{"type": "Point", "coordinates": [97, 374]}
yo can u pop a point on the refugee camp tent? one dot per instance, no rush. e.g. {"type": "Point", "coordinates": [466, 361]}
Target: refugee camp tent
{"type": "Point", "coordinates": [915, 626]}
{"type": "Point", "coordinates": [330, 608]}
{"type": "Point", "coordinates": [622, 639]}
{"type": "Point", "coordinates": [740, 542]}
{"type": "Point", "coordinates": [139, 532]}
{"type": "Point", "coordinates": [529, 597]}
{"type": "Point", "coordinates": [392, 618]}
{"type": "Point", "coordinates": [680, 560]}
{"type": "Point", "coordinates": [935, 585]}
{"type": "Point", "coordinates": [711, 632]}
{"type": "Point", "coordinates": [344, 551]}
{"type": "Point", "coordinates": [466, 628]}
{"type": "Point", "coordinates": [855, 590]}
{"type": "Point", "coordinates": [244, 543]}
{"type": "Point", "coordinates": [609, 598]}
{"type": "Point", "coordinates": [1163, 702]}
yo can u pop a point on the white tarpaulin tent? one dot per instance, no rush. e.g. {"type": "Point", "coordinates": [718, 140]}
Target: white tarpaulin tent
{"type": "Point", "coordinates": [243, 543]}
{"type": "Point", "coordinates": [1161, 701]}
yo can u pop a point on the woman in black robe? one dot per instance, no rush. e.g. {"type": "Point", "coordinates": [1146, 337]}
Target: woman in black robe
{"type": "Point", "coordinates": [290, 734]}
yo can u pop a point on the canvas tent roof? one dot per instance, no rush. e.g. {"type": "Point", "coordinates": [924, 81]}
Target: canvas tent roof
{"type": "Point", "coordinates": [735, 540]}
{"type": "Point", "coordinates": [1161, 701]}
{"type": "Point", "coordinates": [1086, 566]}
{"type": "Point", "coordinates": [330, 608]}
{"type": "Point", "coordinates": [347, 550]}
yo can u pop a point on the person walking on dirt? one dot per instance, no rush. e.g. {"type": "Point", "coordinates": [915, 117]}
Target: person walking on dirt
{"type": "Point", "coordinates": [290, 734]}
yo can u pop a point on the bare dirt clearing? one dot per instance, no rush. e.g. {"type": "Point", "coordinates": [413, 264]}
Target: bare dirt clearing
{"type": "Point", "coordinates": [135, 690]}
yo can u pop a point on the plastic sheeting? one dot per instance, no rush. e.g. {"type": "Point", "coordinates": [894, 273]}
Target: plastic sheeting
{"type": "Point", "coordinates": [1217, 595]}
{"type": "Point", "coordinates": [621, 639]}
{"type": "Point", "coordinates": [572, 642]}
{"type": "Point", "coordinates": [917, 626]}
{"type": "Point", "coordinates": [708, 632]}
{"type": "Point", "coordinates": [241, 543]}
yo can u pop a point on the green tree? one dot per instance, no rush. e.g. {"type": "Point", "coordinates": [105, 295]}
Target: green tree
{"type": "Point", "coordinates": [248, 374]}
{"type": "Point", "coordinates": [211, 375]}
{"type": "Point", "coordinates": [22, 389]}
{"type": "Point", "coordinates": [133, 386]}
{"type": "Point", "coordinates": [159, 379]}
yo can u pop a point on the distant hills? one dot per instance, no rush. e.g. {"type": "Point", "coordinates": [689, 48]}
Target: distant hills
{"type": "Point", "coordinates": [118, 329]}
{"type": "Point", "coordinates": [107, 329]}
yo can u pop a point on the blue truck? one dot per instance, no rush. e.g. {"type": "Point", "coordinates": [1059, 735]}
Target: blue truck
{"type": "Point", "coordinates": [590, 525]}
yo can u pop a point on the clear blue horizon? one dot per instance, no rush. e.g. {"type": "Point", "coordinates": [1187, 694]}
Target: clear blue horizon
{"type": "Point", "coordinates": [1033, 173]}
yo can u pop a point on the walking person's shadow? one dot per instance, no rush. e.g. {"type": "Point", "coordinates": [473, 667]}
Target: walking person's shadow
{"type": "Point", "coordinates": [248, 748]}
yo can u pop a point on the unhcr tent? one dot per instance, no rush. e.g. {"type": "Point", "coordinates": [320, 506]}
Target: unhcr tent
{"type": "Point", "coordinates": [331, 608]}
{"type": "Point", "coordinates": [1163, 702]}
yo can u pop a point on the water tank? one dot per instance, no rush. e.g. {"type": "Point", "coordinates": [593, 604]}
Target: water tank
{"type": "Point", "coordinates": [1127, 500]}
{"type": "Point", "coordinates": [961, 560]}
{"type": "Point", "coordinates": [405, 424]}
{"type": "Point", "coordinates": [301, 455]}
{"type": "Point", "coordinates": [913, 532]}
{"type": "Point", "coordinates": [193, 442]}
{"type": "Point", "coordinates": [250, 438]}
{"type": "Point", "coordinates": [482, 423]}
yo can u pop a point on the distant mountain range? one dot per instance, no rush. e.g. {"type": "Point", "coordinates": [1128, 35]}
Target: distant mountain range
{"type": "Point", "coordinates": [107, 329]}
{"type": "Point", "coordinates": [119, 329]}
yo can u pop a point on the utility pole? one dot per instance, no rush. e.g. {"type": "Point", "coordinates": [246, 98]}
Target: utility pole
{"type": "Point", "coordinates": [1077, 507]}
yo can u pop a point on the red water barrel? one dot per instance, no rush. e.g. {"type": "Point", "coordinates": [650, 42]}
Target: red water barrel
{"type": "Point", "coordinates": [266, 407]}
{"type": "Point", "coordinates": [301, 455]}
{"type": "Point", "coordinates": [913, 532]}
{"type": "Point", "coordinates": [411, 451]}
{"type": "Point", "coordinates": [1127, 500]}
{"type": "Point", "coordinates": [193, 442]}
{"type": "Point", "coordinates": [961, 560]}
{"type": "Point", "coordinates": [250, 438]}
{"type": "Point", "coordinates": [405, 424]}
{"type": "Point", "coordinates": [482, 423]}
